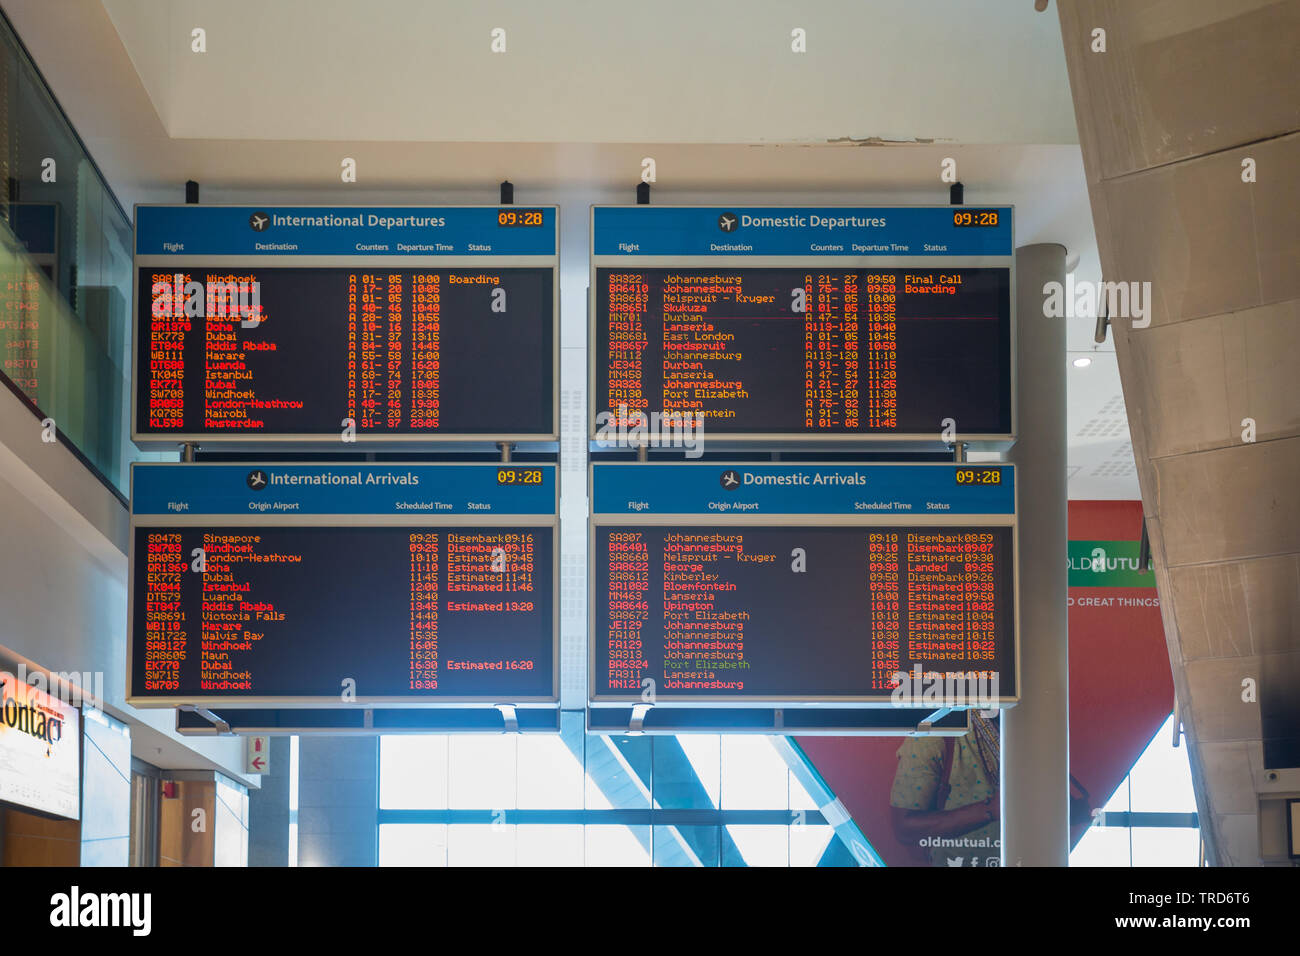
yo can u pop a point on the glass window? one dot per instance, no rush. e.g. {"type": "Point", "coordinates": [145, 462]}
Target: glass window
{"type": "Point", "coordinates": [413, 844]}
{"type": "Point", "coordinates": [479, 844]}
{"type": "Point", "coordinates": [617, 845]}
{"type": "Point", "coordinates": [548, 844]}
{"type": "Point", "coordinates": [482, 771]}
{"type": "Point", "coordinates": [687, 772]}
{"type": "Point", "coordinates": [575, 799]}
{"type": "Point", "coordinates": [686, 846]}
{"type": "Point", "coordinates": [618, 773]}
{"type": "Point", "coordinates": [414, 775]}
{"type": "Point", "coordinates": [550, 777]}
{"type": "Point", "coordinates": [808, 844]}
{"type": "Point", "coordinates": [1159, 785]}
{"type": "Point", "coordinates": [751, 845]}
{"type": "Point", "coordinates": [754, 776]}
{"type": "Point", "coordinates": [1166, 846]}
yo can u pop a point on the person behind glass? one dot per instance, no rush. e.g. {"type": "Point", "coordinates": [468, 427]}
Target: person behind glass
{"type": "Point", "coordinates": [946, 788]}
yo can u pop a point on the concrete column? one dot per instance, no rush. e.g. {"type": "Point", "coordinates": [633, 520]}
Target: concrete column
{"type": "Point", "coordinates": [338, 801]}
{"type": "Point", "coordinates": [1035, 733]}
{"type": "Point", "coordinates": [268, 811]}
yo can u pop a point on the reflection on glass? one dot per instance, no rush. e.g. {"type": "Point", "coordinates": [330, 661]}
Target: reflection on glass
{"type": "Point", "coordinates": [686, 846]}
{"type": "Point", "coordinates": [564, 784]}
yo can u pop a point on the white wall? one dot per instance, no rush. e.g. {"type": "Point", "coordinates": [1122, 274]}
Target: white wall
{"type": "Point", "coordinates": [63, 574]}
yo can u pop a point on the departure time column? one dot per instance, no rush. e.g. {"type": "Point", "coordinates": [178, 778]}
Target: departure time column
{"type": "Point", "coordinates": [881, 298]}
{"type": "Point", "coordinates": [426, 343]}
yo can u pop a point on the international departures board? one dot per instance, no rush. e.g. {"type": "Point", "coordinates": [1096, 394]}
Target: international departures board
{"type": "Point", "coordinates": [728, 584]}
{"type": "Point", "coordinates": [796, 323]}
{"type": "Point", "coordinates": [282, 323]}
{"type": "Point", "coordinates": [300, 584]}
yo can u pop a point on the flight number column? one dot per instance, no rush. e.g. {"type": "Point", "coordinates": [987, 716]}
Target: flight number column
{"type": "Point", "coordinates": [629, 608]}
{"type": "Point", "coordinates": [883, 586]}
{"type": "Point", "coordinates": [167, 353]}
{"type": "Point", "coordinates": [165, 631]}
{"type": "Point", "coordinates": [424, 610]}
{"type": "Point", "coordinates": [426, 350]}
{"type": "Point", "coordinates": [880, 341]}
{"type": "Point", "coordinates": [628, 298]}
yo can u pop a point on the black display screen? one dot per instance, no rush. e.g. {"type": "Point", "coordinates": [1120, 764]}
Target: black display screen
{"type": "Point", "coordinates": [398, 352]}
{"type": "Point", "coordinates": [806, 351]}
{"type": "Point", "coordinates": [796, 613]}
{"type": "Point", "coordinates": [288, 612]}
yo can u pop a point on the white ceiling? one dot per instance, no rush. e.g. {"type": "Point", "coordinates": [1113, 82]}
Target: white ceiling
{"type": "Point", "coordinates": [585, 91]}
{"type": "Point", "coordinates": [673, 71]}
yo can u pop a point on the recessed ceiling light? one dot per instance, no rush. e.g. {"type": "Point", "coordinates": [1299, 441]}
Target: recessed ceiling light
{"type": "Point", "coordinates": [1082, 362]}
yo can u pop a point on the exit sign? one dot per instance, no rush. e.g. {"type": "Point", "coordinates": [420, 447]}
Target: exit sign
{"type": "Point", "coordinates": [257, 755]}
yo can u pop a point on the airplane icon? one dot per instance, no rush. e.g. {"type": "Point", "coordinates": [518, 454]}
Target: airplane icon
{"type": "Point", "coordinates": [259, 221]}
{"type": "Point", "coordinates": [730, 479]}
{"type": "Point", "coordinates": [727, 221]}
{"type": "Point", "coordinates": [257, 479]}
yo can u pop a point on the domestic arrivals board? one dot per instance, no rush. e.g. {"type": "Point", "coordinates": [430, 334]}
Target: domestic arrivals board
{"type": "Point", "coordinates": [411, 324]}
{"type": "Point", "coordinates": [735, 583]}
{"type": "Point", "coordinates": [805, 323]}
{"type": "Point", "coordinates": [322, 585]}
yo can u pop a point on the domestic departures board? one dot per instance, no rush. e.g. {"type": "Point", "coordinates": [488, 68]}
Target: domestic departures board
{"type": "Point", "coordinates": [785, 323]}
{"type": "Point", "coordinates": [295, 585]}
{"type": "Point", "coordinates": [802, 583]}
{"type": "Point", "coordinates": [311, 324]}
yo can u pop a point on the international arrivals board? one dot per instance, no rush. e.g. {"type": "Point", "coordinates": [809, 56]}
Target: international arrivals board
{"type": "Point", "coordinates": [306, 324]}
{"type": "Point", "coordinates": [784, 323]}
{"type": "Point", "coordinates": [731, 584]}
{"type": "Point", "coordinates": [324, 585]}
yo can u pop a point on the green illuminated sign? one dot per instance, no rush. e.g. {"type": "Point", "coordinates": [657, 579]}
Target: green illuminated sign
{"type": "Point", "coordinates": [1106, 564]}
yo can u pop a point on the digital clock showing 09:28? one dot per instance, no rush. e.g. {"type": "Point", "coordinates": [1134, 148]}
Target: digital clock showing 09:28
{"type": "Point", "coordinates": [979, 476]}
{"type": "Point", "coordinates": [519, 476]}
{"type": "Point", "coordinates": [520, 217]}
{"type": "Point", "coordinates": [975, 217]}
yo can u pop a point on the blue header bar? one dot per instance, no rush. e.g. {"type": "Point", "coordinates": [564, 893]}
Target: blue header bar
{"type": "Point", "coordinates": [808, 231]}
{"type": "Point", "coordinates": [742, 489]}
{"type": "Point", "coordinates": [420, 491]}
{"type": "Point", "coordinates": [352, 231]}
